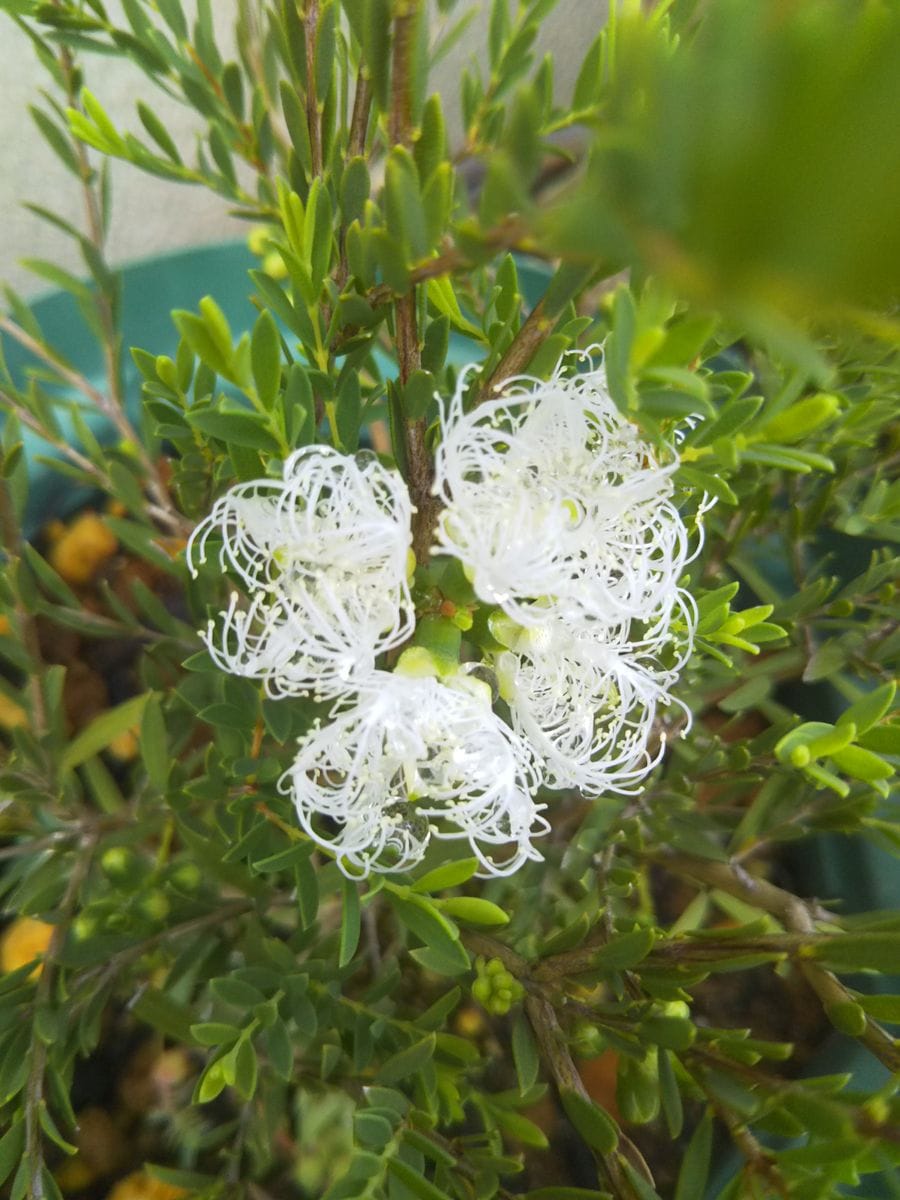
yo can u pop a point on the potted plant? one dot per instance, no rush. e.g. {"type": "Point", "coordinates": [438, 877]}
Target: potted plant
{"type": "Point", "coordinates": [466, 849]}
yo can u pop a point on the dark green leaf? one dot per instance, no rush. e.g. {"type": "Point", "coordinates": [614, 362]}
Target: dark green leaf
{"type": "Point", "coordinates": [597, 1127]}
{"type": "Point", "coordinates": [525, 1053]}
{"type": "Point", "coordinates": [695, 1168]}
{"type": "Point", "coordinates": [350, 922]}
{"type": "Point", "coordinates": [408, 1061]}
{"type": "Point", "coordinates": [416, 1183]}
{"type": "Point", "coordinates": [265, 358]}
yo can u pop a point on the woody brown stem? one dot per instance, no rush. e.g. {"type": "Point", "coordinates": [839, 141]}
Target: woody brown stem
{"type": "Point", "coordinates": [798, 917]}
{"type": "Point", "coordinates": [521, 350]}
{"type": "Point", "coordinates": [409, 359]}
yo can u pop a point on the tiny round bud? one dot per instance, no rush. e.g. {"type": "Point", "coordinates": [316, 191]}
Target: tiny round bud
{"type": "Point", "coordinates": [84, 927]}
{"type": "Point", "coordinates": [800, 756]}
{"type": "Point", "coordinates": [118, 863]}
{"type": "Point", "coordinates": [155, 905]}
{"type": "Point", "coordinates": [187, 876]}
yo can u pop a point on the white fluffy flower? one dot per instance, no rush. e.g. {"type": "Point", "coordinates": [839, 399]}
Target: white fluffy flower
{"type": "Point", "coordinates": [585, 696]}
{"type": "Point", "coordinates": [552, 497]}
{"type": "Point", "coordinates": [322, 555]}
{"type": "Point", "coordinates": [416, 758]}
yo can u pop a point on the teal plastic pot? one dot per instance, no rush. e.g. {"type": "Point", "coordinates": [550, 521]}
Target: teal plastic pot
{"type": "Point", "coordinates": [857, 877]}
{"type": "Point", "coordinates": [848, 870]}
{"type": "Point", "coordinates": [150, 290]}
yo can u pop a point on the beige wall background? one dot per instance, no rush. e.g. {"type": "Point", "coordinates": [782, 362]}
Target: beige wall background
{"type": "Point", "coordinates": [150, 215]}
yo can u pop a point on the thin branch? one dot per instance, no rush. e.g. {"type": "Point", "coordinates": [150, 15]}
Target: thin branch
{"type": "Point", "coordinates": [113, 405]}
{"type": "Point", "coordinates": [488, 947]}
{"type": "Point", "coordinates": [52, 842]}
{"type": "Point", "coordinates": [75, 457]}
{"type": "Point", "coordinates": [409, 358]}
{"type": "Point", "coordinates": [799, 918]}
{"type": "Point", "coordinates": [400, 116]}
{"type": "Point", "coordinates": [166, 517]}
{"type": "Point", "coordinates": [510, 234]}
{"type": "Point", "coordinates": [108, 970]}
{"type": "Point", "coordinates": [743, 886]}
{"type": "Point", "coordinates": [359, 121]}
{"type": "Point", "coordinates": [67, 374]}
{"type": "Point", "coordinates": [832, 992]}
{"type": "Point", "coordinates": [555, 1052]}
{"type": "Point", "coordinates": [522, 349]}
{"type": "Point", "coordinates": [160, 507]}
{"type": "Point", "coordinates": [758, 1160]}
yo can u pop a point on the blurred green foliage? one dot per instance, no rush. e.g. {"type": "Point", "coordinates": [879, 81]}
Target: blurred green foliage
{"type": "Point", "coordinates": [726, 228]}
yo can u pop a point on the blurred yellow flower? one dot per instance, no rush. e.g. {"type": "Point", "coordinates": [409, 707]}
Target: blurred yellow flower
{"type": "Point", "coordinates": [141, 1186]}
{"type": "Point", "coordinates": [83, 548]}
{"type": "Point", "coordinates": [25, 939]}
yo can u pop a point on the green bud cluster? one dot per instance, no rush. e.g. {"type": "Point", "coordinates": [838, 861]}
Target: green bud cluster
{"type": "Point", "coordinates": [495, 988]}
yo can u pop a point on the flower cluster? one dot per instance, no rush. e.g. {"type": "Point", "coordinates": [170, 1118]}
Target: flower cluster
{"type": "Point", "coordinates": [563, 520]}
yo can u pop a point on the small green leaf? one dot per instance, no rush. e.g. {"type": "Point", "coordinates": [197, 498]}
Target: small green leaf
{"type": "Point", "coordinates": [234, 428]}
{"type": "Point", "coordinates": [882, 1008]}
{"type": "Point", "coordinates": [520, 1128]}
{"type": "Point", "coordinates": [408, 1061]}
{"type": "Point", "coordinates": [862, 764]}
{"type": "Point", "coordinates": [214, 1033]}
{"type": "Point", "coordinates": [350, 922]}
{"type": "Point", "coordinates": [280, 1051]}
{"type": "Point", "coordinates": [857, 951]}
{"type": "Point", "coordinates": [102, 730]}
{"type": "Point", "coordinates": [624, 951]}
{"type": "Point", "coordinates": [567, 938]}
{"type": "Point", "coordinates": [434, 1017]}
{"type": "Point", "coordinates": [670, 1094]}
{"type": "Point", "coordinates": [355, 187]}
{"type": "Point", "coordinates": [801, 419]}
{"type": "Point", "coordinates": [431, 145]}
{"type": "Point", "coordinates": [299, 407]}
{"type": "Point", "coordinates": [447, 876]}
{"type": "Point", "coordinates": [443, 297]}
{"type": "Point", "coordinates": [236, 992]}
{"type": "Point", "coordinates": [154, 748]}
{"type": "Point", "coordinates": [472, 910]}
{"type": "Point", "coordinates": [245, 1068]}
{"type": "Point", "coordinates": [847, 1016]}
{"type": "Point", "coordinates": [525, 1054]}
{"type": "Point", "coordinates": [265, 358]}
{"type": "Point", "coordinates": [158, 132]}
{"type": "Point", "coordinates": [50, 1129]}
{"type": "Point", "coordinates": [870, 709]}
{"type": "Point", "coordinates": [12, 1145]}
{"type": "Point", "coordinates": [372, 1130]}
{"type": "Point", "coordinates": [416, 1183]}
{"type": "Point", "coordinates": [348, 412]}
{"type": "Point", "coordinates": [597, 1127]}
{"type": "Point", "coordinates": [425, 921]}
{"type": "Point", "coordinates": [211, 1083]}
{"type": "Point", "coordinates": [695, 1168]}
